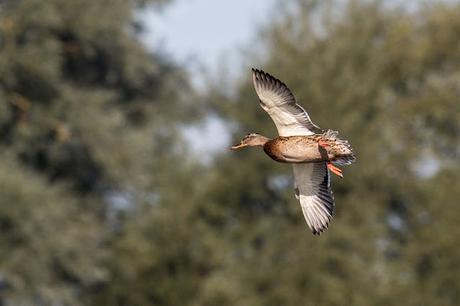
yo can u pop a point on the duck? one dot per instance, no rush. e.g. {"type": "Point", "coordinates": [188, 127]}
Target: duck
{"type": "Point", "coordinates": [312, 152]}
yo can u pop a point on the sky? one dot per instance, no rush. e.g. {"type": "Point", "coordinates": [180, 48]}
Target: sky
{"type": "Point", "coordinates": [206, 32]}
{"type": "Point", "coordinates": [200, 34]}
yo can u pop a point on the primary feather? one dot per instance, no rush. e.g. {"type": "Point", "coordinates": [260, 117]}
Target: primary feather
{"type": "Point", "coordinates": [278, 101]}
{"type": "Point", "coordinates": [315, 195]}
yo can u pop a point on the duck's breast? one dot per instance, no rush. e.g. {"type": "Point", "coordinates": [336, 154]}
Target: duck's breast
{"type": "Point", "coordinates": [295, 149]}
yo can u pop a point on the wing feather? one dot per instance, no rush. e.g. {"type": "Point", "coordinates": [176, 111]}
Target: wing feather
{"type": "Point", "coordinates": [278, 101]}
{"type": "Point", "coordinates": [312, 183]}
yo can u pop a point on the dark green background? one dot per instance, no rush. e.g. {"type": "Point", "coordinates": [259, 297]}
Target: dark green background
{"type": "Point", "coordinates": [102, 202]}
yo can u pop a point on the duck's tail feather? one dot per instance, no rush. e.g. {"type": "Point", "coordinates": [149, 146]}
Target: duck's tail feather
{"type": "Point", "coordinates": [344, 160]}
{"type": "Point", "coordinates": [341, 149]}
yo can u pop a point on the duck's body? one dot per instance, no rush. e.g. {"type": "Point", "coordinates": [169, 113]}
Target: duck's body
{"type": "Point", "coordinates": [305, 149]}
{"type": "Point", "coordinates": [296, 149]}
{"type": "Point", "coordinates": [311, 151]}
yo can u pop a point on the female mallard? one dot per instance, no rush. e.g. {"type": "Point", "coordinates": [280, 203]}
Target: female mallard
{"type": "Point", "coordinates": [310, 150]}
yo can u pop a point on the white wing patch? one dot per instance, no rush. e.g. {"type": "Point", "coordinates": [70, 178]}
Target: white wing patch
{"type": "Point", "coordinates": [278, 101]}
{"type": "Point", "coordinates": [312, 188]}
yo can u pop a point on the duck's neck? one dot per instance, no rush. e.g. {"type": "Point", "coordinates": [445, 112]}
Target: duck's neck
{"type": "Point", "coordinates": [261, 141]}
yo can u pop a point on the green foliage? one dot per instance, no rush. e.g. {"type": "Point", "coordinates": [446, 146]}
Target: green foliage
{"type": "Point", "coordinates": [50, 244]}
{"type": "Point", "coordinates": [387, 79]}
{"type": "Point", "coordinates": [102, 204]}
{"type": "Point", "coordinates": [76, 82]}
{"type": "Point", "coordinates": [80, 102]}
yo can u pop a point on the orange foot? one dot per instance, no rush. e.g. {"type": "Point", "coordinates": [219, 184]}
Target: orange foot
{"type": "Point", "coordinates": [323, 144]}
{"type": "Point", "coordinates": [334, 169]}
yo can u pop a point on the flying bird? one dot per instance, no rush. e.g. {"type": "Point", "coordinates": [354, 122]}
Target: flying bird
{"type": "Point", "coordinates": [311, 151]}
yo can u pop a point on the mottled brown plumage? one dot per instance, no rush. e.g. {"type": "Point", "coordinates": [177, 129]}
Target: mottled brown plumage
{"type": "Point", "coordinates": [311, 151]}
{"type": "Point", "coordinates": [297, 149]}
{"type": "Point", "coordinates": [302, 149]}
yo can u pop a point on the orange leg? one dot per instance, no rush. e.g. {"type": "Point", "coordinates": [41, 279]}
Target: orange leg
{"type": "Point", "coordinates": [334, 169]}
{"type": "Point", "coordinates": [323, 144]}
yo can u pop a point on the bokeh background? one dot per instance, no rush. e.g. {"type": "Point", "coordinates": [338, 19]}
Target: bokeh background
{"type": "Point", "coordinates": [117, 186]}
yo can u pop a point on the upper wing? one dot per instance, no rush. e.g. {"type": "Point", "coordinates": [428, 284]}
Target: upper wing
{"type": "Point", "coordinates": [278, 101]}
{"type": "Point", "coordinates": [313, 191]}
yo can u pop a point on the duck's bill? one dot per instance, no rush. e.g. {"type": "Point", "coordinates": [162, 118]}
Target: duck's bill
{"type": "Point", "coordinates": [238, 146]}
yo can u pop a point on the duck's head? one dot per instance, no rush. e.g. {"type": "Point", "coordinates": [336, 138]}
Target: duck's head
{"type": "Point", "coordinates": [251, 140]}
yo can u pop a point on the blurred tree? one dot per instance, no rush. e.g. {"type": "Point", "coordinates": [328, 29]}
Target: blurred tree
{"type": "Point", "coordinates": [234, 234]}
{"type": "Point", "coordinates": [50, 245]}
{"type": "Point", "coordinates": [101, 204]}
{"type": "Point", "coordinates": [386, 76]}
{"type": "Point", "coordinates": [75, 82]}
{"type": "Point", "coordinates": [83, 109]}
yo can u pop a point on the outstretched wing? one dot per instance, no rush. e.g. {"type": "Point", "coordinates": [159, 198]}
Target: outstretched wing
{"type": "Point", "coordinates": [312, 189]}
{"type": "Point", "coordinates": [278, 101]}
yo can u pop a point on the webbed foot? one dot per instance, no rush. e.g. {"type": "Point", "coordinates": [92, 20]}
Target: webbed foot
{"type": "Point", "coordinates": [334, 169]}
{"type": "Point", "coordinates": [323, 144]}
